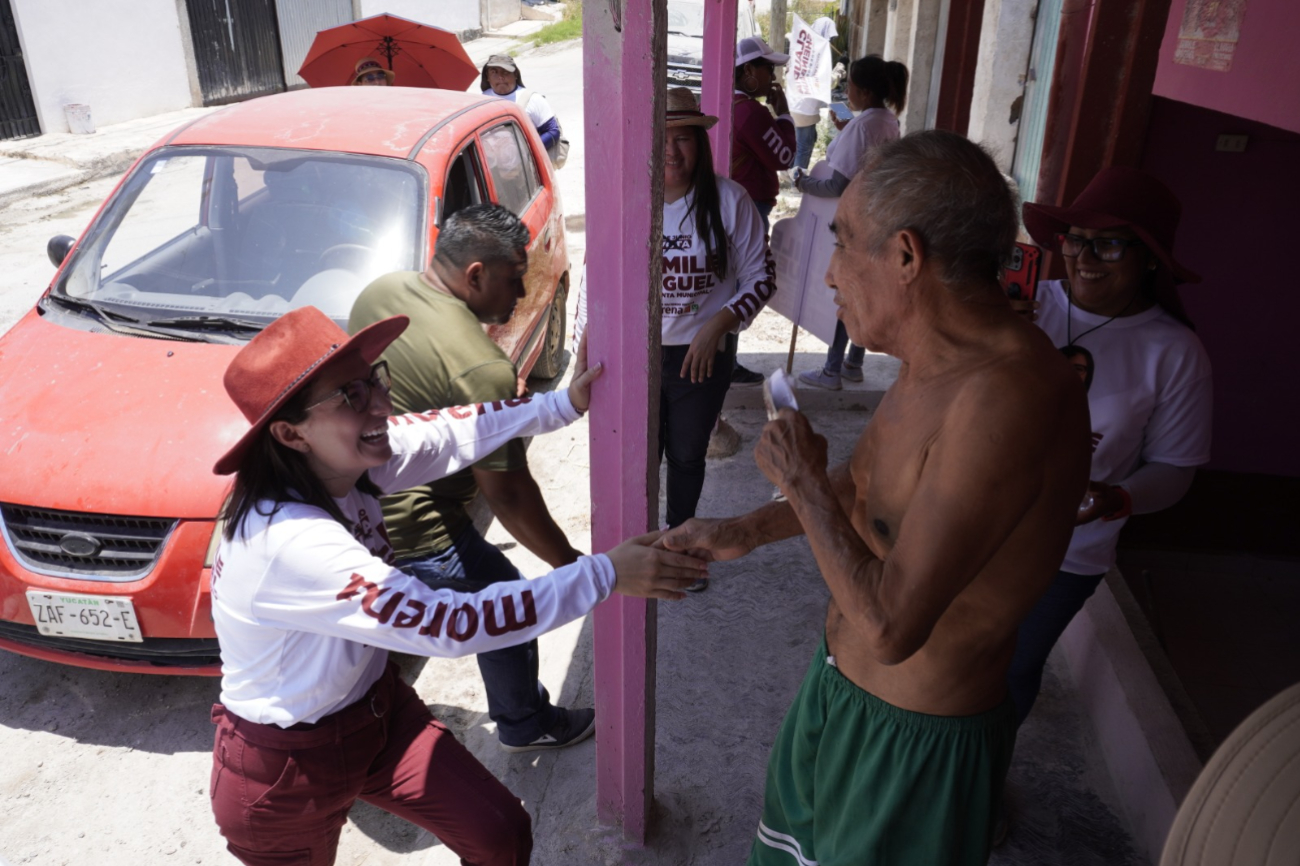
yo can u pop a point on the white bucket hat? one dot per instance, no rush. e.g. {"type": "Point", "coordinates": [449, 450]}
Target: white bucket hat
{"type": "Point", "coordinates": [754, 48]}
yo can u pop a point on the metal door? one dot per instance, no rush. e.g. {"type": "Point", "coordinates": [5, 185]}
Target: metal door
{"type": "Point", "coordinates": [236, 48]}
{"type": "Point", "coordinates": [1038, 85]}
{"type": "Point", "coordinates": [17, 110]}
{"type": "Point", "coordinates": [299, 22]}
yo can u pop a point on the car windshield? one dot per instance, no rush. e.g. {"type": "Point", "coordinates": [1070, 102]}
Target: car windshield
{"type": "Point", "coordinates": [205, 234]}
{"type": "Point", "coordinates": [686, 19]}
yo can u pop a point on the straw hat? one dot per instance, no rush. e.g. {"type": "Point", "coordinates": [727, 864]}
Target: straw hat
{"type": "Point", "coordinates": [367, 65]}
{"type": "Point", "coordinates": [1241, 809]}
{"type": "Point", "coordinates": [1115, 198]}
{"type": "Point", "coordinates": [284, 358]}
{"type": "Point", "coordinates": [684, 110]}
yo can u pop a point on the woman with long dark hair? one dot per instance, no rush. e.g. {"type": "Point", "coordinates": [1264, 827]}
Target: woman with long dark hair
{"type": "Point", "coordinates": [307, 605]}
{"type": "Point", "coordinates": [877, 90]}
{"type": "Point", "coordinates": [717, 275]}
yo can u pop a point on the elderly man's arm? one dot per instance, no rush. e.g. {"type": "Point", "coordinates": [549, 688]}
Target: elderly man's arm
{"type": "Point", "coordinates": [516, 500]}
{"type": "Point", "coordinates": [726, 538]}
{"type": "Point", "coordinates": [982, 474]}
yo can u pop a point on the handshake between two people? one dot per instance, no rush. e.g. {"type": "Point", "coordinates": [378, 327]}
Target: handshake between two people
{"type": "Point", "coordinates": [642, 567]}
{"type": "Point", "coordinates": [792, 456]}
{"type": "Point", "coordinates": [662, 564]}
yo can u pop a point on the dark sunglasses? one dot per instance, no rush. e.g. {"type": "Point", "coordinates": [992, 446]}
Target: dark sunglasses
{"type": "Point", "coordinates": [359, 392]}
{"type": "Point", "coordinates": [1105, 249]}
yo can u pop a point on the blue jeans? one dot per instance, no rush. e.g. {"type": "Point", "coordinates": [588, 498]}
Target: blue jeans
{"type": "Point", "coordinates": [805, 138]}
{"type": "Point", "coordinates": [1039, 633]}
{"type": "Point", "coordinates": [517, 702]}
{"type": "Point", "coordinates": [687, 413]}
{"type": "Point", "coordinates": [835, 354]}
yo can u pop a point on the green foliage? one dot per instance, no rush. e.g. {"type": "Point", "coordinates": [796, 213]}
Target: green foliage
{"type": "Point", "coordinates": [568, 27]}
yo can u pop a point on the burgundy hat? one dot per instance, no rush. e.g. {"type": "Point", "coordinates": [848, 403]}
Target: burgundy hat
{"type": "Point", "coordinates": [280, 361]}
{"type": "Point", "coordinates": [1117, 197]}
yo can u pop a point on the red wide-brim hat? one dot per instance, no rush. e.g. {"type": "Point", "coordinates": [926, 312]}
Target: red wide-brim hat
{"type": "Point", "coordinates": [284, 358]}
{"type": "Point", "coordinates": [1117, 197]}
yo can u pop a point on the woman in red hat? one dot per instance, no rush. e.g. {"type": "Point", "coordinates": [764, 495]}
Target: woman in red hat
{"type": "Point", "coordinates": [313, 715]}
{"type": "Point", "coordinates": [1147, 374]}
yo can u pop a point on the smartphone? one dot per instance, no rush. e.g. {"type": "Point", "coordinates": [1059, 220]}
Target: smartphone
{"type": "Point", "coordinates": [778, 394]}
{"type": "Point", "coordinates": [1020, 275]}
{"type": "Point", "coordinates": [842, 111]}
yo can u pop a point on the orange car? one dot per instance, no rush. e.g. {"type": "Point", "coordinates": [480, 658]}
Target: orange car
{"type": "Point", "coordinates": [111, 386]}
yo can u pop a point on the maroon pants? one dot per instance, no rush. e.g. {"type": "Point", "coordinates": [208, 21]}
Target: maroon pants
{"type": "Point", "coordinates": [281, 796]}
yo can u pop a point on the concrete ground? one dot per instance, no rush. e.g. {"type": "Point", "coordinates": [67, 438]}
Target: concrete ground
{"type": "Point", "coordinates": [113, 769]}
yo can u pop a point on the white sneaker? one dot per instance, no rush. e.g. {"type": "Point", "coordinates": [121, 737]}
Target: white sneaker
{"type": "Point", "coordinates": [851, 372]}
{"type": "Point", "coordinates": [821, 379]}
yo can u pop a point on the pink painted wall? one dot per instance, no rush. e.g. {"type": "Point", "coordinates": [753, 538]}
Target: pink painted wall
{"type": "Point", "coordinates": [1263, 81]}
{"type": "Point", "coordinates": [1239, 230]}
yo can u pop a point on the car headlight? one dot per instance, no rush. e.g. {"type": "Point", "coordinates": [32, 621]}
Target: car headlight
{"type": "Point", "coordinates": [212, 544]}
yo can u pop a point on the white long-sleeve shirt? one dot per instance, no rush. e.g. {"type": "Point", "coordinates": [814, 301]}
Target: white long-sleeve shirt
{"type": "Point", "coordinates": [306, 609]}
{"type": "Point", "coordinates": [691, 292]}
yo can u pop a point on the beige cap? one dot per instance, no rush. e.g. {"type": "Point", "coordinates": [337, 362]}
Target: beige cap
{"type": "Point", "coordinates": [1243, 809]}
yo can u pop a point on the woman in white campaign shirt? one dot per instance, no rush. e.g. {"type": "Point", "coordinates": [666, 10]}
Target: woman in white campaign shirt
{"type": "Point", "coordinates": [1118, 320]}
{"type": "Point", "coordinates": [875, 87]}
{"type": "Point", "coordinates": [717, 275]}
{"type": "Point", "coordinates": [306, 605]}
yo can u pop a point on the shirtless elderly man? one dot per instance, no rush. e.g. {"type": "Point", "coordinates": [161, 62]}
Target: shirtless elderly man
{"type": "Point", "coordinates": [935, 539]}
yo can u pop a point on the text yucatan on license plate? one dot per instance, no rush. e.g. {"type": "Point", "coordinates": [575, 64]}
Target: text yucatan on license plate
{"type": "Point", "coordinates": [97, 617]}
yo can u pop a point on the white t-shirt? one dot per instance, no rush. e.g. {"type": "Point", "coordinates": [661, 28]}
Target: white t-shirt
{"type": "Point", "coordinates": [1150, 401]}
{"type": "Point", "coordinates": [870, 128]}
{"type": "Point", "coordinates": [535, 105]}
{"type": "Point", "coordinates": [692, 292]}
{"type": "Point", "coordinates": [305, 609]}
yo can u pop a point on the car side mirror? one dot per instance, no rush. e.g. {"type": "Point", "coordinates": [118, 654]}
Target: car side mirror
{"type": "Point", "coordinates": [58, 248]}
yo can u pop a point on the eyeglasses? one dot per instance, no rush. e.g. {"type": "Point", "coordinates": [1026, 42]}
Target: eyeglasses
{"type": "Point", "coordinates": [374, 76]}
{"type": "Point", "coordinates": [359, 392]}
{"type": "Point", "coordinates": [1105, 249]}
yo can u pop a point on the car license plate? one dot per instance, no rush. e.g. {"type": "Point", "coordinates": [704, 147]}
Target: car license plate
{"type": "Point", "coordinates": [97, 617]}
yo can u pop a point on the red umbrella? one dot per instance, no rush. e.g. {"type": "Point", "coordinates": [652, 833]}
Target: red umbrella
{"type": "Point", "coordinates": [419, 55]}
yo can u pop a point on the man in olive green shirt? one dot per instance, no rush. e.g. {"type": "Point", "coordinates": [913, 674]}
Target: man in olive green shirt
{"type": "Point", "coordinates": [443, 359]}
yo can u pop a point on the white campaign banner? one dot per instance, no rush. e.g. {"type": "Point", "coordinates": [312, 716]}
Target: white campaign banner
{"type": "Point", "coordinates": [808, 75]}
{"type": "Point", "coordinates": [802, 246]}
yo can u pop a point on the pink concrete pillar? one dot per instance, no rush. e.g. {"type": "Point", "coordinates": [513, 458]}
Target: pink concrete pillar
{"type": "Point", "coordinates": [719, 77]}
{"type": "Point", "coordinates": [624, 46]}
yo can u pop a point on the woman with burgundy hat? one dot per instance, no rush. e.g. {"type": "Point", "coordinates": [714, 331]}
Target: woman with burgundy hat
{"type": "Point", "coordinates": [306, 606]}
{"type": "Point", "coordinates": [717, 276]}
{"type": "Point", "coordinates": [1149, 389]}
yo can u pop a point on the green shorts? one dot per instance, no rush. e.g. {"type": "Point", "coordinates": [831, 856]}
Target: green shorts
{"type": "Point", "coordinates": [854, 780]}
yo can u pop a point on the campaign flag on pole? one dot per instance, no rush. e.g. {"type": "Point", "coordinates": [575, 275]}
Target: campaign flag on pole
{"type": "Point", "coordinates": [808, 74]}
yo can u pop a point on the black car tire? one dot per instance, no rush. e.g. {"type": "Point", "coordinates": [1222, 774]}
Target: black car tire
{"type": "Point", "coordinates": [550, 363]}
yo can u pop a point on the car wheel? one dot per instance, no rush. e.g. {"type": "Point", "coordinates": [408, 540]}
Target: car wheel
{"type": "Point", "coordinates": [550, 363]}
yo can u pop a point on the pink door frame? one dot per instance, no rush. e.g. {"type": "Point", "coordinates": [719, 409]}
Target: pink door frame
{"type": "Point", "coordinates": [624, 47]}
{"type": "Point", "coordinates": [718, 77]}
